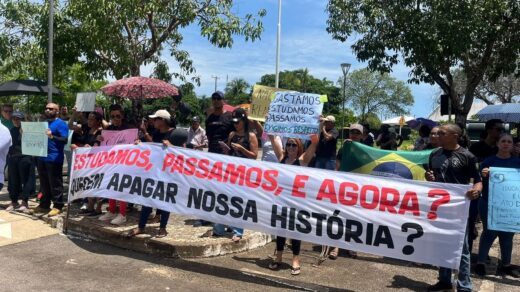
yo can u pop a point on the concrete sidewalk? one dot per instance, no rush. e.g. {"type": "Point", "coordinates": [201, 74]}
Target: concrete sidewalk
{"type": "Point", "coordinates": [183, 239]}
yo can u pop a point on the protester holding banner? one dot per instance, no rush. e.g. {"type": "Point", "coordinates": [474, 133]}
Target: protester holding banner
{"type": "Point", "coordinates": [21, 169]}
{"type": "Point", "coordinates": [505, 159]}
{"type": "Point", "coordinates": [117, 118]}
{"type": "Point", "coordinates": [218, 124]}
{"type": "Point", "coordinates": [164, 134]}
{"type": "Point", "coordinates": [454, 164]}
{"type": "Point", "coordinates": [292, 154]}
{"type": "Point", "coordinates": [241, 143]}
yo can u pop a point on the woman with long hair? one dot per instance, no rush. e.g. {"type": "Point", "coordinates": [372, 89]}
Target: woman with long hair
{"type": "Point", "coordinates": [503, 158]}
{"type": "Point", "coordinates": [293, 154]}
{"type": "Point", "coordinates": [242, 142]}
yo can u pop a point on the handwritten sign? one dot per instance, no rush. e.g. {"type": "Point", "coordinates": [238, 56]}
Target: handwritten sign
{"type": "Point", "coordinates": [85, 101]}
{"type": "Point", "coordinates": [504, 199]}
{"type": "Point", "coordinates": [261, 98]}
{"type": "Point", "coordinates": [294, 114]}
{"type": "Point", "coordinates": [118, 137]}
{"type": "Point", "coordinates": [34, 138]}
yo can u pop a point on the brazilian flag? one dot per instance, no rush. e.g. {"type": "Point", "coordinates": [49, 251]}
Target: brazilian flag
{"type": "Point", "coordinates": [359, 158]}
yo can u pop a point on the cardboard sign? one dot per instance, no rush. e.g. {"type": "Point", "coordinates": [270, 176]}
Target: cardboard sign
{"type": "Point", "coordinates": [118, 137]}
{"type": "Point", "coordinates": [85, 101]}
{"type": "Point", "coordinates": [261, 98]}
{"type": "Point", "coordinates": [504, 199]}
{"type": "Point", "coordinates": [34, 138]}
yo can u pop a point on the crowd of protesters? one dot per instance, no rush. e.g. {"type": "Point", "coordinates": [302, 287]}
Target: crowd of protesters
{"type": "Point", "coordinates": [233, 133]}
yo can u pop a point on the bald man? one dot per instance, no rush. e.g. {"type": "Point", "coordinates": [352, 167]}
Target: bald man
{"type": "Point", "coordinates": [50, 168]}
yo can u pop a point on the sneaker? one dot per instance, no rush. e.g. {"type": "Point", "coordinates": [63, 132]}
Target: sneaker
{"type": "Point", "coordinates": [39, 210]}
{"type": "Point", "coordinates": [84, 207]}
{"type": "Point", "coordinates": [107, 216]}
{"type": "Point", "coordinates": [11, 207]}
{"type": "Point", "coordinates": [54, 212]}
{"type": "Point", "coordinates": [440, 286]}
{"type": "Point", "coordinates": [510, 271]}
{"type": "Point", "coordinates": [480, 270]}
{"type": "Point", "coordinates": [120, 219]}
{"type": "Point", "coordinates": [22, 207]}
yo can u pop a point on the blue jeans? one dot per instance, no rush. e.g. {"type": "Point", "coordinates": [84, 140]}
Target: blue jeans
{"type": "Point", "coordinates": [145, 213]}
{"type": "Point", "coordinates": [325, 163]}
{"type": "Point", "coordinates": [464, 281]}
{"type": "Point", "coordinates": [488, 237]}
{"type": "Point", "coordinates": [220, 229]}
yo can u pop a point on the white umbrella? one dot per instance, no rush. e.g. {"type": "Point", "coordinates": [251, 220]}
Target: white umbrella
{"type": "Point", "coordinates": [395, 121]}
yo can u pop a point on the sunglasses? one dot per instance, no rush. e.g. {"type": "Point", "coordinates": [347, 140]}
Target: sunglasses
{"type": "Point", "coordinates": [116, 116]}
{"type": "Point", "coordinates": [291, 145]}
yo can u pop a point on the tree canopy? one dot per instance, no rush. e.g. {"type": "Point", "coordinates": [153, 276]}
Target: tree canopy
{"type": "Point", "coordinates": [432, 37]}
{"type": "Point", "coordinates": [237, 91]}
{"type": "Point", "coordinates": [372, 92]}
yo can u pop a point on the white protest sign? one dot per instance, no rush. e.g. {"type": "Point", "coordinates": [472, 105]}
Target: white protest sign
{"type": "Point", "coordinates": [34, 138]}
{"type": "Point", "coordinates": [85, 101]}
{"type": "Point", "coordinates": [111, 137]}
{"type": "Point", "coordinates": [294, 114]}
{"type": "Point", "coordinates": [417, 221]}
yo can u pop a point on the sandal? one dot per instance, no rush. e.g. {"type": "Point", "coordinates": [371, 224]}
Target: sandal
{"type": "Point", "coordinates": [333, 255]}
{"type": "Point", "coordinates": [208, 233]}
{"type": "Point", "coordinates": [155, 219]}
{"type": "Point", "coordinates": [275, 266]}
{"type": "Point", "coordinates": [236, 239]}
{"type": "Point", "coordinates": [134, 232]}
{"type": "Point", "coordinates": [162, 233]}
{"type": "Point", "coordinates": [295, 271]}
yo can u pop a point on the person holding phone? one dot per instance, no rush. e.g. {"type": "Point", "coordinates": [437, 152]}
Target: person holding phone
{"type": "Point", "coordinates": [241, 143]}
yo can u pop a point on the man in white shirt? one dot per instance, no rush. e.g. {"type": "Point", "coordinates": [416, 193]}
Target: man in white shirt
{"type": "Point", "coordinates": [197, 135]}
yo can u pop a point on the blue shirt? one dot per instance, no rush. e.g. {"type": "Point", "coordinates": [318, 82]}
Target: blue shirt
{"type": "Point", "coordinates": [494, 161]}
{"type": "Point", "coordinates": [58, 128]}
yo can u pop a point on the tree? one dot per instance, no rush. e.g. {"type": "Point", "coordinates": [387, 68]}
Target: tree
{"type": "Point", "coordinates": [505, 89]}
{"type": "Point", "coordinates": [372, 92]}
{"type": "Point", "coordinates": [236, 91]}
{"type": "Point", "coordinates": [433, 37]}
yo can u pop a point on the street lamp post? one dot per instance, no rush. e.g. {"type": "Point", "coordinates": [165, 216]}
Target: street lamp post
{"type": "Point", "coordinates": [51, 50]}
{"type": "Point", "coordinates": [345, 67]}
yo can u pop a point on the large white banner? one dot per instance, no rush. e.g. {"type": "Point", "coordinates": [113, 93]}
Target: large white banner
{"type": "Point", "coordinates": [416, 221]}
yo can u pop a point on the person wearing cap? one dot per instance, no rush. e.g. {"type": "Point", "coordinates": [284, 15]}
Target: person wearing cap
{"type": "Point", "coordinates": [241, 143]}
{"type": "Point", "coordinates": [197, 135]}
{"type": "Point", "coordinates": [355, 134]}
{"type": "Point", "coordinates": [21, 169]}
{"type": "Point", "coordinates": [218, 124]}
{"type": "Point", "coordinates": [326, 153]}
{"type": "Point", "coordinates": [168, 136]}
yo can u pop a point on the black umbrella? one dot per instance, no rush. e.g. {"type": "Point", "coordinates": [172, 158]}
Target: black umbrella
{"type": "Point", "coordinates": [29, 87]}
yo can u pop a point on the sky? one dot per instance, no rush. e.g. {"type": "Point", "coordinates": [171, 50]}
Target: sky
{"type": "Point", "coordinates": [305, 43]}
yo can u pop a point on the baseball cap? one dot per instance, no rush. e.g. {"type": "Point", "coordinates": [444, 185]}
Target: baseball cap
{"type": "Point", "coordinates": [19, 115]}
{"type": "Point", "coordinates": [195, 119]}
{"type": "Point", "coordinates": [239, 114]}
{"type": "Point", "coordinates": [330, 119]}
{"type": "Point", "coordinates": [163, 114]}
{"type": "Point", "coordinates": [217, 95]}
{"type": "Point", "coordinates": [356, 127]}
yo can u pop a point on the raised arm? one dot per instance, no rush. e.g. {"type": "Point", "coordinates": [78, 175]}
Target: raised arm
{"type": "Point", "coordinates": [307, 156]}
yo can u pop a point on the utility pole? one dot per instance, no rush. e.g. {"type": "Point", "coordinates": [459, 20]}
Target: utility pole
{"type": "Point", "coordinates": [216, 78]}
{"type": "Point", "coordinates": [51, 50]}
{"type": "Point", "coordinates": [278, 33]}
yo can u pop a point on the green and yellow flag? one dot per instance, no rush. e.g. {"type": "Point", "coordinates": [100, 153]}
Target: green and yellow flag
{"type": "Point", "coordinates": [359, 158]}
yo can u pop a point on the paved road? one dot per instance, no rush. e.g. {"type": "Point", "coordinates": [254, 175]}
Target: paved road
{"type": "Point", "coordinates": [55, 262]}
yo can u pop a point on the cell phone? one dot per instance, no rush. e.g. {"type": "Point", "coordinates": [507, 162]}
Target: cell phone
{"type": "Point", "coordinates": [224, 145]}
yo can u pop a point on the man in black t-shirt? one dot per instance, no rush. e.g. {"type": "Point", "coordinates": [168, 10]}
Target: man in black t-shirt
{"type": "Point", "coordinates": [326, 152]}
{"type": "Point", "coordinates": [454, 164]}
{"type": "Point", "coordinates": [218, 124]}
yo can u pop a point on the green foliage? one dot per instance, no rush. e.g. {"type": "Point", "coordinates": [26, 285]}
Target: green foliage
{"type": "Point", "coordinates": [237, 91]}
{"type": "Point", "coordinates": [372, 92]}
{"type": "Point", "coordinates": [373, 120]}
{"type": "Point", "coordinates": [432, 37]}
